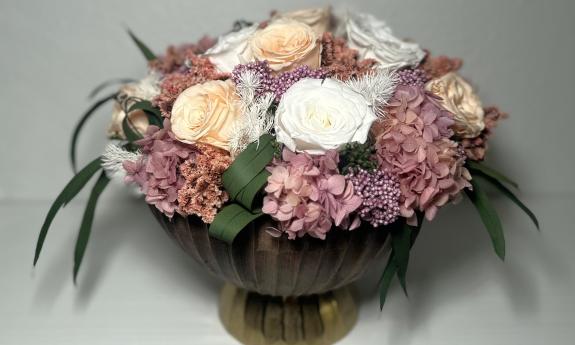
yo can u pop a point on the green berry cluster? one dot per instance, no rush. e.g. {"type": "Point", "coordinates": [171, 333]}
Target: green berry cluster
{"type": "Point", "coordinates": [356, 155]}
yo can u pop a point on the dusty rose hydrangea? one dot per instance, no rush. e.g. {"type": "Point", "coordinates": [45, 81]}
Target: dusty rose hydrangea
{"type": "Point", "coordinates": [202, 193]}
{"type": "Point", "coordinates": [157, 171]}
{"type": "Point", "coordinates": [413, 143]}
{"type": "Point", "coordinates": [307, 195]}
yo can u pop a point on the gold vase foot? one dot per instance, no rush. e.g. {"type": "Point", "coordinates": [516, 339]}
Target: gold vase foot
{"type": "Point", "coordinates": [254, 319]}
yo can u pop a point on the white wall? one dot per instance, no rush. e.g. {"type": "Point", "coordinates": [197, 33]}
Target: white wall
{"type": "Point", "coordinates": [518, 52]}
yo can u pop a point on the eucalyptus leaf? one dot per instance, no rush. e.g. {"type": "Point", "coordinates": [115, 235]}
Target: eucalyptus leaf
{"type": "Point", "coordinates": [490, 172]}
{"type": "Point", "coordinates": [147, 52]}
{"type": "Point", "coordinates": [68, 193]}
{"type": "Point", "coordinates": [87, 221]}
{"type": "Point", "coordinates": [80, 125]}
{"type": "Point", "coordinates": [488, 215]}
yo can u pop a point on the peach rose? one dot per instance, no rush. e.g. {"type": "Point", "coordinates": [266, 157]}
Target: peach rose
{"type": "Point", "coordinates": [285, 44]}
{"type": "Point", "coordinates": [205, 113]}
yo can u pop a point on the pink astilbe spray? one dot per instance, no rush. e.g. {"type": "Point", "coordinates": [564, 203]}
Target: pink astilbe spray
{"type": "Point", "coordinates": [307, 195]}
{"type": "Point", "coordinates": [413, 143]}
{"type": "Point", "coordinates": [156, 172]}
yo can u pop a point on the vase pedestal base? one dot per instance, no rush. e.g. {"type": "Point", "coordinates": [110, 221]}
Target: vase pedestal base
{"type": "Point", "coordinates": [254, 319]}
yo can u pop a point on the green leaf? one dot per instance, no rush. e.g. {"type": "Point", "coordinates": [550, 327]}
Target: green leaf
{"type": "Point", "coordinates": [245, 174]}
{"type": "Point", "coordinates": [485, 170]}
{"type": "Point", "coordinates": [70, 191]}
{"type": "Point", "coordinates": [147, 52]}
{"type": "Point", "coordinates": [385, 281]}
{"type": "Point", "coordinates": [87, 221]}
{"type": "Point", "coordinates": [392, 264]}
{"type": "Point", "coordinates": [108, 83]}
{"type": "Point", "coordinates": [509, 194]}
{"type": "Point", "coordinates": [153, 114]}
{"type": "Point", "coordinates": [230, 221]}
{"type": "Point", "coordinates": [132, 134]}
{"type": "Point", "coordinates": [489, 216]}
{"type": "Point", "coordinates": [80, 125]}
{"type": "Point", "coordinates": [247, 196]}
{"type": "Point", "coordinates": [400, 244]}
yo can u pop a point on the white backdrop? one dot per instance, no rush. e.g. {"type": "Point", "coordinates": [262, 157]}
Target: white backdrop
{"type": "Point", "coordinates": [137, 288]}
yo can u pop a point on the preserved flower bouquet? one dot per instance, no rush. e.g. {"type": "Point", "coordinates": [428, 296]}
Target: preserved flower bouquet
{"type": "Point", "coordinates": [312, 124]}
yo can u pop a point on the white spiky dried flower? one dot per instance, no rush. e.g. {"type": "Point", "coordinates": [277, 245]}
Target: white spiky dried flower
{"type": "Point", "coordinates": [255, 119]}
{"type": "Point", "coordinates": [113, 159]}
{"type": "Point", "coordinates": [376, 87]}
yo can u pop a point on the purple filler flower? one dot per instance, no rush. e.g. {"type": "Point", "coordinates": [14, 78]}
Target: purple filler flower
{"type": "Point", "coordinates": [380, 193]}
{"type": "Point", "coordinates": [277, 84]}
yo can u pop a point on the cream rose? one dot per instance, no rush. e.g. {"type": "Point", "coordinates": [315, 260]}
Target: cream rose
{"type": "Point", "coordinates": [459, 98]}
{"type": "Point", "coordinates": [205, 113]}
{"type": "Point", "coordinates": [227, 53]}
{"type": "Point", "coordinates": [317, 115]}
{"type": "Point", "coordinates": [319, 19]}
{"type": "Point", "coordinates": [373, 39]}
{"type": "Point", "coordinates": [285, 44]}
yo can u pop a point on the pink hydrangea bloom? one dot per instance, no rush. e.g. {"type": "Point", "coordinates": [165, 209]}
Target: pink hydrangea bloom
{"type": "Point", "coordinates": [307, 195]}
{"type": "Point", "coordinates": [413, 142]}
{"type": "Point", "coordinates": [157, 171]}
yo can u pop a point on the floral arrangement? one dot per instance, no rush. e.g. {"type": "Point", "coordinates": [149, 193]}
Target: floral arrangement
{"type": "Point", "coordinates": [321, 122]}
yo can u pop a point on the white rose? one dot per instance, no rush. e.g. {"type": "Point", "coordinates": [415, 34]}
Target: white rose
{"type": "Point", "coordinates": [317, 115]}
{"type": "Point", "coordinates": [373, 39]}
{"type": "Point", "coordinates": [228, 51]}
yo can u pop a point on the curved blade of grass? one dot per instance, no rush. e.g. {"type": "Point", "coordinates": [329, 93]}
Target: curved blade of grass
{"type": "Point", "coordinates": [489, 216]}
{"type": "Point", "coordinates": [476, 166]}
{"type": "Point", "coordinates": [80, 125]}
{"type": "Point", "coordinates": [153, 114]}
{"type": "Point", "coordinates": [68, 193]}
{"type": "Point", "coordinates": [87, 221]}
{"type": "Point", "coordinates": [132, 134]}
{"type": "Point", "coordinates": [147, 52]}
{"type": "Point", "coordinates": [108, 83]}
{"type": "Point", "coordinates": [509, 194]}
{"type": "Point", "coordinates": [230, 221]}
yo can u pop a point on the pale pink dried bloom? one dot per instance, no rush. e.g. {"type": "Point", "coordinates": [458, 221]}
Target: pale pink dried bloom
{"type": "Point", "coordinates": [307, 195]}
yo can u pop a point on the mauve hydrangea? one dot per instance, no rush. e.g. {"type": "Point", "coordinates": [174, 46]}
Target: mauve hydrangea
{"type": "Point", "coordinates": [307, 195]}
{"type": "Point", "coordinates": [156, 172]}
{"type": "Point", "coordinates": [413, 143]}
